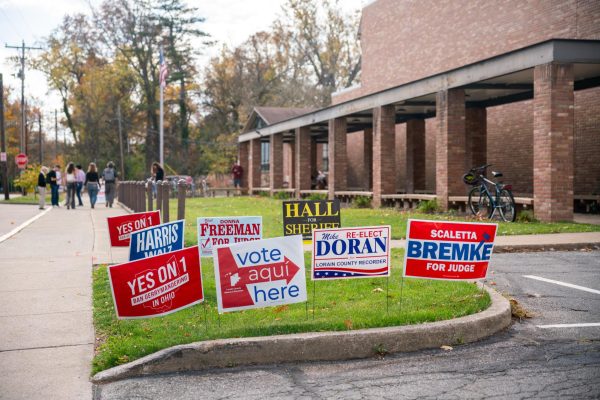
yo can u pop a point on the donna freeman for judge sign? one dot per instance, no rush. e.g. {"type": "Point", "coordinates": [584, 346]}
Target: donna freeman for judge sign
{"type": "Point", "coordinates": [448, 250]}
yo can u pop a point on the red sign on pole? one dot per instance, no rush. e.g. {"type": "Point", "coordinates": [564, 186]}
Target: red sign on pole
{"type": "Point", "coordinates": [21, 160]}
{"type": "Point", "coordinates": [158, 285]}
{"type": "Point", "coordinates": [448, 250]}
{"type": "Point", "coordinates": [120, 228]}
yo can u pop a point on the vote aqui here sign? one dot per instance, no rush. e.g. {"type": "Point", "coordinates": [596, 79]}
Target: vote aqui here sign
{"type": "Point", "coordinates": [121, 227]}
{"type": "Point", "coordinates": [301, 217]}
{"type": "Point", "coordinates": [260, 273]}
{"type": "Point", "coordinates": [448, 250]}
{"type": "Point", "coordinates": [159, 239]}
{"type": "Point", "coordinates": [158, 285]}
{"type": "Point", "coordinates": [351, 253]}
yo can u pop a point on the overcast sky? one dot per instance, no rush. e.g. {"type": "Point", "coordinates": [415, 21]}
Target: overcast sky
{"type": "Point", "coordinates": [227, 21]}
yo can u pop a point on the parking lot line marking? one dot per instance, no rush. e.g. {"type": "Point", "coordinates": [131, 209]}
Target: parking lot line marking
{"type": "Point", "coordinates": [24, 224]}
{"type": "Point", "coordinates": [569, 325]}
{"type": "Point", "coordinates": [539, 278]}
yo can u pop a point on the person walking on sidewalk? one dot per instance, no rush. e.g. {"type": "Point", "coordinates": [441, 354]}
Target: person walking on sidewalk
{"type": "Point", "coordinates": [71, 184]}
{"type": "Point", "coordinates": [158, 174]}
{"type": "Point", "coordinates": [42, 186]}
{"type": "Point", "coordinates": [110, 183]}
{"type": "Point", "coordinates": [80, 176]}
{"type": "Point", "coordinates": [52, 179]}
{"type": "Point", "coordinates": [92, 183]}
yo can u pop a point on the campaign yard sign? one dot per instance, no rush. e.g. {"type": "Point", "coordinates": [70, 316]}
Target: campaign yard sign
{"type": "Point", "coordinates": [217, 231]}
{"type": "Point", "coordinates": [260, 273]}
{"type": "Point", "coordinates": [121, 227]}
{"type": "Point", "coordinates": [351, 253]}
{"type": "Point", "coordinates": [448, 250]}
{"type": "Point", "coordinates": [301, 217]}
{"type": "Point", "coordinates": [158, 285]}
{"type": "Point", "coordinates": [159, 239]}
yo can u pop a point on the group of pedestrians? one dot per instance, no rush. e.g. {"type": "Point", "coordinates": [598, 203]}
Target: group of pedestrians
{"type": "Point", "coordinates": [75, 180]}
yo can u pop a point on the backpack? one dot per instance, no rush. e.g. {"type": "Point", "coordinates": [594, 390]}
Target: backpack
{"type": "Point", "coordinates": [109, 175]}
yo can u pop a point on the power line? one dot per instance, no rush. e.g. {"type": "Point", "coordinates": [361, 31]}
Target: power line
{"type": "Point", "coordinates": [23, 146]}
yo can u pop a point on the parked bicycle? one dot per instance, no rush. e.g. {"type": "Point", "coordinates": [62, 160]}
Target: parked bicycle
{"type": "Point", "coordinates": [488, 198]}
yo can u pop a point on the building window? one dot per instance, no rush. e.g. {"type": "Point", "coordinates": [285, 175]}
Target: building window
{"type": "Point", "coordinates": [264, 156]}
{"type": "Point", "coordinates": [325, 158]}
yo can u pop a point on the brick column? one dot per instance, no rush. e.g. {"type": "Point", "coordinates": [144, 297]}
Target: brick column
{"type": "Point", "coordinates": [384, 152]}
{"type": "Point", "coordinates": [303, 150]}
{"type": "Point", "coordinates": [415, 155]}
{"type": "Point", "coordinates": [476, 136]}
{"type": "Point", "coordinates": [553, 104]}
{"type": "Point", "coordinates": [276, 162]}
{"type": "Point", "coordinates": [313, 157]}
{"type": "Point", "coordinates": [254, 165]}
{"type": "Point", "coordinates": [368, 158]}
{"type": "Point", "coordinates": [338, 157]}
{"type": "Point", "coordinates": [450, 144]}
{"type": "Point", "coordinates": [244, 157]}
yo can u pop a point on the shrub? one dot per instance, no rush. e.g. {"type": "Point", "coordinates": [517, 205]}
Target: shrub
{"type": "Point", "coordinates": [281, 195]}
{"type": "Point", "coordinates": [526, 216]}
{"type": "Point", "coordinates": [316, 197]}
{"type": "Point", "coordinates": [361, 202]}
{"type": "Point", "coordinates": [27, 181]}
{"type": "Point", "coordinates": [428, 206]}
{"type": "Point", "coordinates": [264, 193]}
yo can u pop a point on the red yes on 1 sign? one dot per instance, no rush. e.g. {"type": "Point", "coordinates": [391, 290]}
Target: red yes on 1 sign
{"type": "Point", "coordinates": [158, 285]}
{"type": "Point", "coordinates": [121, 227]}
{"type": "Point", "coordinates": [448, 250]}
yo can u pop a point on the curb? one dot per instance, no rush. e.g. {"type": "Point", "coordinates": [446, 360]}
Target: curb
{"type": "Point", "coordinates": [522, 248]}
{"type": "Point", "coordinates": [326, 346]}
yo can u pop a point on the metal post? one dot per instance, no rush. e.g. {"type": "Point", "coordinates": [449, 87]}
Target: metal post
{"type": "Point", "coordinates": [181, 189]}
{"type": "Point", "coordinates": [40, 141]}
{"type": "Point", "coordinates": [166, 192]}
{"type": "Point", "coordinates": [3, 142]}
{"type": "Point", "coordinates": [121, 141]}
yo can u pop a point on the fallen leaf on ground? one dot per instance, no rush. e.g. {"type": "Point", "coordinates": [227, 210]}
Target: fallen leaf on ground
{"type": "Point", "coordinates": [447, 348]}
{"type": "Point", "coordinates": [377, 290]}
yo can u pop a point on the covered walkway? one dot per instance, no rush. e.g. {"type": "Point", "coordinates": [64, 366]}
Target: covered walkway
{"type": "Point", "coordinates": [548, 72]}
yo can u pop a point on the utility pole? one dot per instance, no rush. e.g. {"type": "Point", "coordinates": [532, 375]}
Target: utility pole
{"type": "Point", "coordinates": [3, 143]}
{"type": "Point", "coordinates": [23, 147]}
{"type": "Point", "coordinates": [40, 141]}
{"type": "Point", "coordinates": [121, 141]}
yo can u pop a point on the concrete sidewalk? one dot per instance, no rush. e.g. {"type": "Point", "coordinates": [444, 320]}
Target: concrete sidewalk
{"type": "Point", "coordinates": [46, 331]}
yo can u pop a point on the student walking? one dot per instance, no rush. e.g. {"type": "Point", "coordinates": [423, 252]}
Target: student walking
{"type": "Point", "coordinates": [80, 177]}
{"type": "Point", "coordinates": [158, 174]}
{"type": "Point", "coordinates": [110, 183]}
{"type": "Point", "coordinates": [52, 179]}
{"type": "Point", "coordinates": [71, 183]}
{"type": "Point", "coordinates": [42, 186]}
{"type": "Point", "coordinates": [92, 183]}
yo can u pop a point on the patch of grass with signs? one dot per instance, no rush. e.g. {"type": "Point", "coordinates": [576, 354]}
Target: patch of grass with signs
{"type": "Point", "coordinates": [339, 305]}
{"type": "Point", "coordinates": [271, 211]}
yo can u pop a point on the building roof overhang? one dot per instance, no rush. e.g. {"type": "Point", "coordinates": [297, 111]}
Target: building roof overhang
{"type": "Point", "coordinates": [502, 79]}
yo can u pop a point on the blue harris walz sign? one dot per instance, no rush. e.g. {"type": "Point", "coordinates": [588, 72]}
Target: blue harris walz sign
{"type": "Point", "coordinates": [159, 239]}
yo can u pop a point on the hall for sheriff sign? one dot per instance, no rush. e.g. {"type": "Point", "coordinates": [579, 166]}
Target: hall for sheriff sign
{"type": "Point", "coordinates": [448, 250]}
{"type": "Point", "coordinates": [301, 217]}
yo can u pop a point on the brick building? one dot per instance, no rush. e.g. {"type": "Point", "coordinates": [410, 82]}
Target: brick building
{"type": "Point", "coordinates": [447, 85]}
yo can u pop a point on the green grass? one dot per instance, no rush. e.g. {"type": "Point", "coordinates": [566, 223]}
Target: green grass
{"type": "Point", "coordinates": [31, 199]}
{"type": "Point", "coordinates": [271, 211]}
{"type": "Point", "coordinates": [338, 306]}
